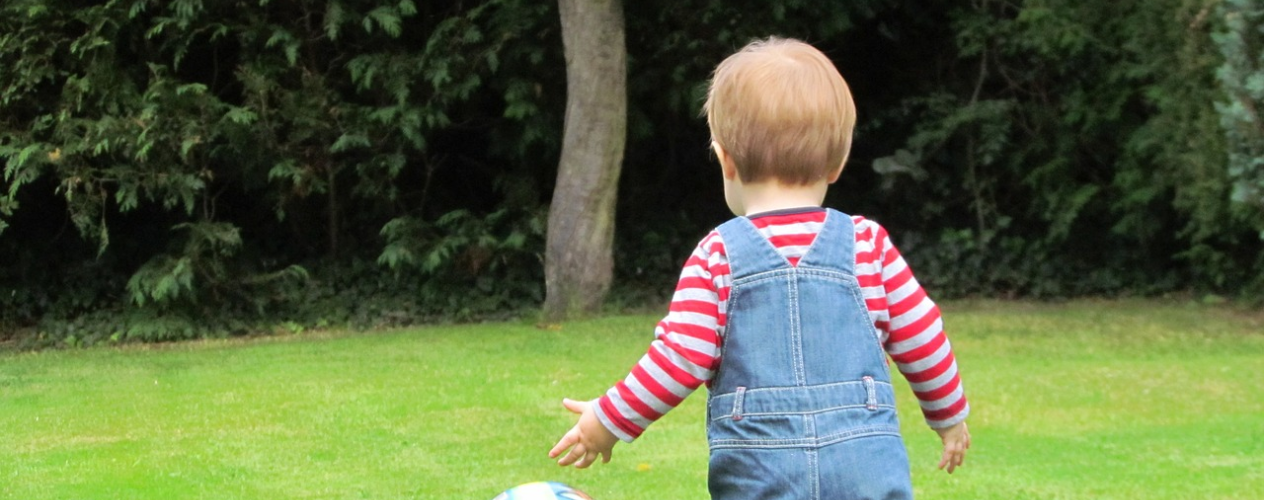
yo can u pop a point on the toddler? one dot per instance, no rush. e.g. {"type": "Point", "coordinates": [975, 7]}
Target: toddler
{"type": "Point", "coordinates": [788, 311]}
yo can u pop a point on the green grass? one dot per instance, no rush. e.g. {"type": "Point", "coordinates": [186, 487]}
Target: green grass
{"type": "Point", "coordinates": [1132, 399]}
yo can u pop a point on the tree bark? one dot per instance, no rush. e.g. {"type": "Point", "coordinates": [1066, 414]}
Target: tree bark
{"type": "Point", "coordinates": [579, 262]}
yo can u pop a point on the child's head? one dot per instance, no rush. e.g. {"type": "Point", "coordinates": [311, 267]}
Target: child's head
{"type": "Point", "coordinates": [780, 109]}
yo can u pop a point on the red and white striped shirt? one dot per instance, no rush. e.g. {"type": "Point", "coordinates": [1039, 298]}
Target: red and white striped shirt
{"type": "Point", "coordinates": [686, 350]}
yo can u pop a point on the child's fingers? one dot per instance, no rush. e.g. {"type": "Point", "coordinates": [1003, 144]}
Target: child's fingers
{"type": "Point", "coordinates": [560, 446]}
{"type": "Point", "coordinates": [588, 459]}
{"type": "Point", "coordinates": [576, 454]}
{"type": "Point", "coordinates": [591, 458]}
{"type": "Point", "coordinates": [954, 456]}
{"type": "Point", "coordinates": [570, 439]}
{"type": "Point", "coordinates": [576, 407]}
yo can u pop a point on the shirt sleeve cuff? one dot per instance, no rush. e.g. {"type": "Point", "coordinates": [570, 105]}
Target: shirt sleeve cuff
{"type": "Point", "coordinates": [956, 419]}
{"type": "Point", "coordinates": [609, 424]}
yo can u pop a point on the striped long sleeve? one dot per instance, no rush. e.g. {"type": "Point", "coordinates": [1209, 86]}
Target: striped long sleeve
{"type": "Point", "coordinates": [686, 349]}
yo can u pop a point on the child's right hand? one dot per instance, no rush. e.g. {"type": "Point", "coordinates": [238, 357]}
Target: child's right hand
{"type": "Point", "coordinates": [587, 441]}
{"type": "Point", "coordinates": [956, 441]}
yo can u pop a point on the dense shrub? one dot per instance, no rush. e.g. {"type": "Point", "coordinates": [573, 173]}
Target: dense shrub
{"type": "Point", "coordinates": [180, 169]}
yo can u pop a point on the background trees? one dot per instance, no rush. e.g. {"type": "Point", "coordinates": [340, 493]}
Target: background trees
{"type": "Point", "coordinates": [1241, 76]}
{"type": "Point", "coordinates": [185, 168]}
{"type": "Point", "coordinates": [1081, 145]}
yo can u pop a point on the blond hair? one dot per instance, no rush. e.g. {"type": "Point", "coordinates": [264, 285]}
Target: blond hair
{"type": "Point", "coordinates": [782, 111]}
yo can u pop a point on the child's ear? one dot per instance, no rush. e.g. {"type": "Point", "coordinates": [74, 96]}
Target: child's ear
{"type": "Point", "coordinates": [726, 162]}
{"type": "Point", "coordinates": [838, 171]}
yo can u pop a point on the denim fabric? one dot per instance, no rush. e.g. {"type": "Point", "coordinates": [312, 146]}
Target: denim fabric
{"type": "Point", "coordinates": [802, 405]}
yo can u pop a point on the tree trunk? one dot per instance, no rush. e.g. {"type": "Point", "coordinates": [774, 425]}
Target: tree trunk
{"type": "Point", "coordinates": [579, 262]}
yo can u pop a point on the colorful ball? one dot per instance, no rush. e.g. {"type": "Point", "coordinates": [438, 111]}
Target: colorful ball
{"type": "Point", "coordinates": [544, 490]}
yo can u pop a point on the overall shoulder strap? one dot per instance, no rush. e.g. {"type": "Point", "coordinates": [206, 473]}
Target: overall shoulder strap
{"type": "Point", "coordinates": [835, 246]}
{"type": "Point", "coordinates": [748, 251]}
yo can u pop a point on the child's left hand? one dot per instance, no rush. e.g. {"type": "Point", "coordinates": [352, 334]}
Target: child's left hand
{"type": "Point", "coordinates": [956, 441]}
{"type": "Point", "coordinates": [587, 441]}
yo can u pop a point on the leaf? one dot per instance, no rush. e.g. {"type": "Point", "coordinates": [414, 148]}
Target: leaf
{"type": "Point", "coordinates": [387, 19]}
{"type": "Point", "coordinates": [350, 141]}
{"type": "Point", "coordinates": [493, 61]}
{"type": "Point", "coordinates": [186, 8]}
{"type": "Point", "coordinates": [362, 69]}
{"type": "Point", "coordinates": [394, 228]}
{"type": "Point", "coordinates": [195, 88]}
{"type": "Point", "coordinates": [435, 258]}
{"type": "Point", "coordinates": [516, 240]}
{"type": "Point", "coordinates": [220, 32]}
{"type": "Point", "coordinates": [103, 236]}
{"type": "Point", "coordinates": [278, 37]}
{"type": "Point", "coordinates": [334, 17]}
{"type": "Point", "coordinates": [291, 53]}
{"type": "Point", "coordinates": [395, 255]}
{"type": "Point", "coordinates": [138, 7]}
{"type": "Point", "coordinates": [142, 153]}
{"type": "Point", "coordinates": [902, 162]}
{"type": "Point", "coordinates": [384, 115]}
{"type": "Point", "coordinates": [25, 155]}
{"type": "Point", "coordinates": [155, 30]}
{"type": "Point", "coordinates": [187, 144]}
{"type": "Point", "coordinates": [241, 115]}
{"type": "Point", "coordinates": [407, 8]}
{"type": "Point", "coordinates": [1069, 212]}
{"type": "Point", "coordinates": [286, 169]}
{"type": "Point", "coordinates": [179, 56]}
{"type": "Point", "coordinates": [101, 147]}
{"type": "Point", "coordinates": [451, 218]}
{"type": "Point", "coordinates": [472, 35]}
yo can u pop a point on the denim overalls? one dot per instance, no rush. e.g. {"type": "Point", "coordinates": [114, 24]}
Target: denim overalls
{"type": "Point", "coordinates": [802, 405]}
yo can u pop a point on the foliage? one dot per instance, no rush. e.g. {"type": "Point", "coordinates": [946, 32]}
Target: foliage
{"type": "Point", "coordinates": [1065, 127]}
{"type": "Point", "coordinates": [207, 149]}
{"type": "Point", "coordinates": [495, 259]}
{"type": "Point", "coordinates": [200, 267]}
{"type": "Point", "coordinates": [1241, 77]}
{"type": "Point", "coordinates": [188, 168]}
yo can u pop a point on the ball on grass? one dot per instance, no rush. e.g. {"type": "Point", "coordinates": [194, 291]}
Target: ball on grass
{"type": "Point", "coordinates": [544, 490]}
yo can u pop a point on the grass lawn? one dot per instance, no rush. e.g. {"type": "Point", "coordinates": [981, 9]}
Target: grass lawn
{"type": "Point", "coordinates": [1119, 399]}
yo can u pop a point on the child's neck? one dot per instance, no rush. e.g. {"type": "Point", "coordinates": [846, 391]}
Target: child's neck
{"type": "Point", "coordinates": [770, 196]}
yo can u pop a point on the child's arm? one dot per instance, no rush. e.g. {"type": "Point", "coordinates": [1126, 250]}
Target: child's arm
{"type": "Point", "coordinates": [587, 441]}
{"type": "Point", "coordinates": [916, 339]}
{"type": "Point", "coordinates": [920, 349]}
{"type": "Point", "coordinates": [679, 360]}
